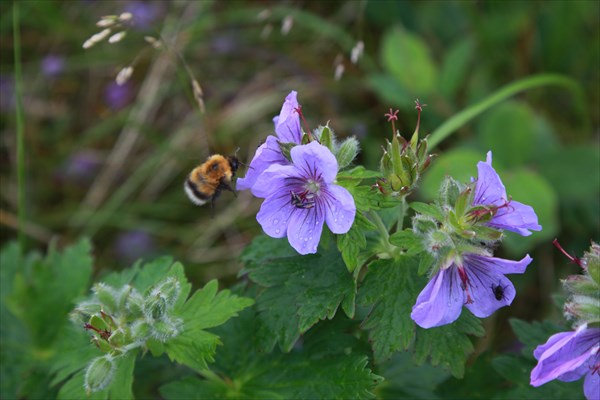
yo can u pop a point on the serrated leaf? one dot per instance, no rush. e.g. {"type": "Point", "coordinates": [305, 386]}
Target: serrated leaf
{"type": "Point", "coordinates": [389, 289]}
{"type": "Point", "coordinates": [300, 291]}
{"type": "Point", "coordinates": [352, 242]}
{"type": "Point", "coordinates": [428, 209]}
{"type": "Point", "coordinates": [358, 173]}
{"type": "Point", "coordinates": [448, 345]}
{"type": "Point", "coordinates": [319, 369]}
{"type": "Point", "coordinates": [408, 241]}
{"type": "Point", "coordinates": [47, 293]}
{"type": "Point", "coordinates": [206, 308]}
{"type": "Point", "coordinates": [533, 334]}
{"type": "Point", "coordinates": [404, 380]}
{"type": "Point", "coordinates": [367, 198]}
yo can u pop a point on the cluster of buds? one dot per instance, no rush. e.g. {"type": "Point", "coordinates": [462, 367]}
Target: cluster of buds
{"type": "Point", "coordinates": [583, 304]}
{"type": "Point", "coordinates": [344, 152]}
{"type": "Point", "coordinates": [110, 23]}
{"type": "Point", "coordinates": [403, 161]}
{"type": "Point", "coordinates": [122, 319]}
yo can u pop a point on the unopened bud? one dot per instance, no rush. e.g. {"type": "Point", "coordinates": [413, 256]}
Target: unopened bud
{"type": "Point", "coordinates": [117, 37]}
{"type": "Point", "coordinates": [347, 152]}
{"type": "Point", "coordinates": [99, 374]}
{"type": "Point", "coordinates": [124, 75]}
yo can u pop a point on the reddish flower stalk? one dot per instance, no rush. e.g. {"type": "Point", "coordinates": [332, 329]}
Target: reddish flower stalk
{"type": "Point", "coordinates": [575, 260]}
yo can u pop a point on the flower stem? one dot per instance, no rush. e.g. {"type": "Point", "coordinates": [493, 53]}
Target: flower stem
{"type": "Point", "coordinates": [460, 119]}
{"type": "Point", "coordinates": [389, 249]}
{"type": "Point", "coordinates": [20, 131]}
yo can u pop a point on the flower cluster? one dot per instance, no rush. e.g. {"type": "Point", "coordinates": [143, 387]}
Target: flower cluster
{"type": "Point", "coordinates": [122, 319]}
{"type": "Point", "coordinates": [457, 235]}
{"type": "Point", "coordinates": [297, 181]}
{"type": "Point", "coordinates": [568, 356]}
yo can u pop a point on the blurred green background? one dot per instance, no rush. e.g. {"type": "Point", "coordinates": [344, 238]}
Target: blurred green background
{"type": "Point", "coordinates": [108, 161]}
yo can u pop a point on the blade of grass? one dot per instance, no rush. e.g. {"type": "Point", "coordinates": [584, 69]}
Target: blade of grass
{"type": "Point", "coordinates": [20, 129]}
{"type": "Point", "coordinates": [460, 119]}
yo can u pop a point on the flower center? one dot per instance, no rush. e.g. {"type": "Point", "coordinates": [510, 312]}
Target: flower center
{"type": "Point", "coordinates": [312, 187]}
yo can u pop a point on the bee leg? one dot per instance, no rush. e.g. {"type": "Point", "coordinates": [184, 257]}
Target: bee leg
{"type": "Point", "coordinates": [225, 186]}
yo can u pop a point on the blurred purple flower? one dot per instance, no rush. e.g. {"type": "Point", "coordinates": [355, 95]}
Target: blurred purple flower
{"type": "Point", "coordinates": [144, 13]}
{"type": "Point", "coordinates": [300, 197]}
{"type": "Point", "coordinates": [507, 213]}
{"type": "Point", "coordinates": [287, 129]}
{"type": "Point", "coordinates": [81, 166]}
{"type": "Point", "coordinates": [475, 281]}
{"type": "Point", "coordinates": [133, 245]}
{"type": "Point", "coordinates": [118, 96]}
{"type": "Point", "coordinates": [224, 44]}
{"type": "Point", "coordinates": [567, 356]}
{"type": "Point", "coordinates": [7, 93]}
{"type": "Point", "coordinates": [52, 65]}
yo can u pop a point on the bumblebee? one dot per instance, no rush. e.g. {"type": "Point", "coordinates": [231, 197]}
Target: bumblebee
{"type": "Point", "coordinates": [207, 180]}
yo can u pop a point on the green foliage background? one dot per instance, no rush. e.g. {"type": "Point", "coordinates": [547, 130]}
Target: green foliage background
{"type": "Point", "coordinates": [129, 162]}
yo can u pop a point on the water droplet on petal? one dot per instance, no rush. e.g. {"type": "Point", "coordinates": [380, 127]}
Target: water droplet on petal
{"type": "Point", "coordinates": [275, 221]}
{"type": "Point", "coordinates": [277, 231]}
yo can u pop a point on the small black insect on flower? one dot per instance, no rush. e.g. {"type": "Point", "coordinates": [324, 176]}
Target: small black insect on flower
{"type": "Point", "coordinates": [498, 291]}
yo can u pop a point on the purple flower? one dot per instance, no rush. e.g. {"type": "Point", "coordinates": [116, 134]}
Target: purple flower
{"type": "Point", "coordinates": [475, 281]}
{"type": "Point", "coordinates": [144, 13]}
{"type": "Point", "coordinates": [132, 245]}
{"type": "Point", "coordinates": [287, 128]}
{"type": "Point", "coordinates": [567, 356]}
{"type": "Point", "coordinates": [53, 65]}
{"type": "Point", "coordinates": [507, 213]}
{"type": "Point", "coordinates": [301, 196]}
{"type": "Point", "coordinates": [118, 96]}
{"type": "Point", "coordinates": [80, 166]}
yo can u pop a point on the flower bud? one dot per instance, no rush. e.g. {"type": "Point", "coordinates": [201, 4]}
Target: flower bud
{"type": "Point", "coordinates": [99, 373]}
{"type": "Point", "coordinates": [326, 137]}
{"type": "Point", "coordinates": [347, 152]}
{"type": "Point", "coordinates": [591, 261]}
{"type": "Point", "coordinates": [107, 296]}
{"type": "Point", "coordinates": [166, 329]}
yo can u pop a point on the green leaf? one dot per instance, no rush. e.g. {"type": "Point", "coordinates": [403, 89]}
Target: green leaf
{"type": "Point", "coordinates": [351, 243]}
{"type": "Point", "coordinates": [533, 334]}
{"type": "Point", "coordinates": [428, 209]}
{"type": "Point", "coordinates": [390, 90]}
{"type": "Point", "coordinates": [206, 308]}
{"type": "Point", "coordinates": [404, 380]}
{"type": "Point", "coordinates": [329, 364]}
{"type": "Point", "coordinates": [367, 198]}
{"type": "Point", "coordinates": [408, 241]}
{"type": "Point", "coordinates": [358, 173]}
{"type": "Point", "coordinates": [448, 345]}
{"type": "Point", "coordinates": [573, 172]}
{"type": "Point", "coordinates": [44, 297]}
{"type": "Point", "coordinates": [406, 57]}
{"type": "Point", "coordinates": [390, 291]}
{"type": "Point", "coordinates": [509, 130]}
{"type": "Point", "coordinates": [455, 67]}
{"type": "Point", "coordinates": [300, 291]}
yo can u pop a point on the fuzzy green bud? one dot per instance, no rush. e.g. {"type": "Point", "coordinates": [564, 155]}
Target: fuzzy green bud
{"type": "Point", "coordinates": [166, 329]}
{"type": "Point", "coordinates": [99, 374]}
{"type": "Point", "coordinates": [347, 152]}
{"type": "Point", "coordinates": [325, 136]}
{"type": "Point", "coordinates": [591, 261]}
{"type": "Point", "coordinates": [107, 296]}
{"type": "Point", "coordinates": [286, 148]}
